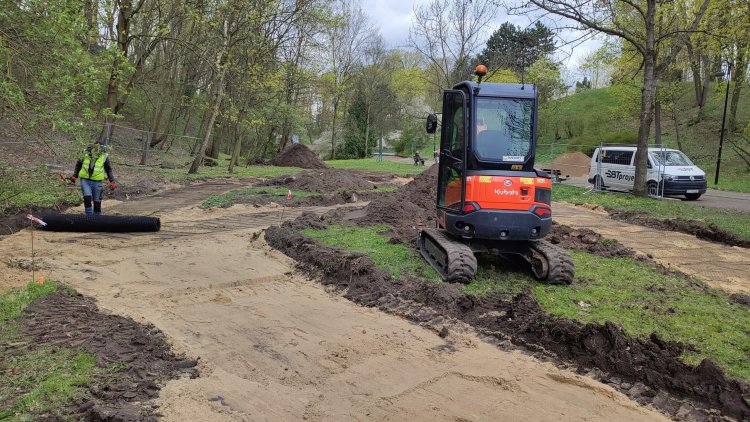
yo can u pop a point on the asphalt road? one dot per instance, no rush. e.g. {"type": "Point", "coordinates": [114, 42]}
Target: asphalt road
{"type": "Point", "coordinates": [712, 198]}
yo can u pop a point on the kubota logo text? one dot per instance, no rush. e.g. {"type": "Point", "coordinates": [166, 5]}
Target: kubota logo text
{"type": "Point", "coordinates": [510, 192]}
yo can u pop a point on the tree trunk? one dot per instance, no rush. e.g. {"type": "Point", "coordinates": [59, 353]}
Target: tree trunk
{"type": "Point", "coordinates": [657, 123]}
{"type": "Point", "coordinates": [367, 130]}
{"type": "Point", "coordinates": [333, 128]}
{"type": "Point", "coordinates": [676, 128]}
{"type": "Point", "coordinates": [707, 76]}
{"type": "Point", "coordinates": [198, 161]}
{"type": "Point", "coordinates": [739, 77]}
{"type": "Point", "coordinates": [237, 148]}
{"type": "Point", "coordinates": [696, 69]}
{"type": "Point", "coordinates": [647, 99]}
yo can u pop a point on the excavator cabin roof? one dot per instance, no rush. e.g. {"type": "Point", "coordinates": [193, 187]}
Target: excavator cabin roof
{"type": "Point", "coordinates": [502, 90]}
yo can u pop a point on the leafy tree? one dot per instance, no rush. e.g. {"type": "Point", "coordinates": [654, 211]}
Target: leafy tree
{"type": "Point", "coordinates": [650, 27]}
{"type": "Point", "coordinates": [546, 75]}
{"type": "Point", "coordinates": [515, 48]}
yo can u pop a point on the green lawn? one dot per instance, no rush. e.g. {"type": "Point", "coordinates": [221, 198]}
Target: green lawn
{"type": "Point", "coordinates": [399, 259]}
{"type": "Point", "coordinates": [643, 300]}
{"type": "Point", "coordinates": [737, 222]}
{"type": "Point", "coordinates": [37, 380]}
{"type": "Point", "coordinates": [248, 194]}
{"type": "Point", "coordinates": [373, 165]}
{"type": "Point", "coordinates": [638, 297]}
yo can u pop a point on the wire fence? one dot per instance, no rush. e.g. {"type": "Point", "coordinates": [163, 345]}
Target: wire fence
{"type": "Point", "coordinates": [137, 147]}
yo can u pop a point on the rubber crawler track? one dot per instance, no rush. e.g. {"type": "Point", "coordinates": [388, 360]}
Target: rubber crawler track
{"type": "Point", "coordinates": [461, 263]}
{"type": "Point", "coordinates": [561, 266]}
{"type": "Point", "coordinates": [100, 223]}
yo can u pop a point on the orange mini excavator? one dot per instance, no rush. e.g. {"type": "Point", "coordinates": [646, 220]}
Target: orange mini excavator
{"type": "Point", "coordinates": [490, 198]}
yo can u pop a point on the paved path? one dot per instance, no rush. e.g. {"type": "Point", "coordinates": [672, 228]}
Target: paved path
{"type": "Point", "coordinates": [712, 198]}
{"type": "Point", "coordinates": [725, 267]}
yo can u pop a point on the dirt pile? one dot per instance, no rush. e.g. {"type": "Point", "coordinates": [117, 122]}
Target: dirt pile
{"type": "Point", "coordinates": [586, 240]}
{"type": "Point", "coordinates": [574, 164]}
{"type": "Point", "coordinates": [698, 229]}
{"type": "Point", "coordinates": [325, 181]}
{"type": "Point", "coordinates": [651, 367]}
{"type": "Point", "coordinates": [299, 155]}
{"type": "Point", "coordinates": [406, 209]}
{"type": "Point", "coordinates": [72, 320]}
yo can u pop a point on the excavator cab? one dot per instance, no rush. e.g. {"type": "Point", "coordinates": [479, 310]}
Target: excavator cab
{"type": "Point", "coordinates": [490, 198]}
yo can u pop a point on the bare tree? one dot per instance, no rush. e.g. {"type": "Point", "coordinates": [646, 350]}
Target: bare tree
{"type": "Point", "coordinates": [346, 41]}
{"type": "Point", "coordinates": [448, 33]}
{"type": "Point", "coordinates": [643, 25]}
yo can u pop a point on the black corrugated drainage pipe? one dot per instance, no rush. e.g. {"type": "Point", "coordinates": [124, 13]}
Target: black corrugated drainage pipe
{"type": "Point", "coordinates": [100, 223]}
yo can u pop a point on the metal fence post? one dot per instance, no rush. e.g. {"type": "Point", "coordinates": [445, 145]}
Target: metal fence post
{"type": "Point", "coordinates": [600, 187]}
{"type": "Point", "coordinates": [146, 149]}
{"type": "Point", "coordinates": [551, 154]}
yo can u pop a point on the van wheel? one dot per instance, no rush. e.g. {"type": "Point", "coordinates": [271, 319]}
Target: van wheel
{"type": "Point", "coordinates": [653, 188]}
{"type": "Point", "coordinates": [599, 183]}
{"type": "Point", "coordinates": [692, 196]}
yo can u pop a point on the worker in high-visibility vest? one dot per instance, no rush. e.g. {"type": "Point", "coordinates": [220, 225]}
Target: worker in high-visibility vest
{"type": "Point", "coordinates": [91, 169]}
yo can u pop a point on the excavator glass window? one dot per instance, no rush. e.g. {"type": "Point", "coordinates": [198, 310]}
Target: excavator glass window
{"type": "Point", "coordinates": [504, 129]}
{"type": "Point", "coordinates": [452, 151]}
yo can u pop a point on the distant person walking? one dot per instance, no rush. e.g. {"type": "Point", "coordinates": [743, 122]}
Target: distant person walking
{"type": "Point", "coordinates": [437, 156]}
{"type": "Point", "coordinates": [91, 169]}
{"type": "Point", "coordinates": [418, 160]}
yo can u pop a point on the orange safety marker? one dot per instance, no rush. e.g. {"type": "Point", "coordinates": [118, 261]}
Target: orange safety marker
{"type": "Point", "coordinates": [41, 280]}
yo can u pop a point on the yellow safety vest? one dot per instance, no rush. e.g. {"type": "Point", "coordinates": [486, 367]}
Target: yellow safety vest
{"type": "Point", "coordinates": [98, 173]}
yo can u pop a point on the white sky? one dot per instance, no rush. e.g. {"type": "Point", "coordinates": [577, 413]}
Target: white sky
{"type": "Point", "coordinates": [393, 17]}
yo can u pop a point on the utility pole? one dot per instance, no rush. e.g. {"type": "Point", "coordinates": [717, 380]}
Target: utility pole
{"type": "Point", "coordinates": [723, 121]}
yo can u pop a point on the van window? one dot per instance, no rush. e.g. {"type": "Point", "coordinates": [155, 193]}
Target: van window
{"type": "Point", "coordinates": [671, 158]}
{"type": "Point", "coordinates": [617, 157]}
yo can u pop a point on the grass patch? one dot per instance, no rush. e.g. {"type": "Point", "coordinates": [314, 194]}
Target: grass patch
{"type": "Point", "coordinates": [43, 380]}
{"type": "Point", "coordinates": [21, 189]}
{"type": "Point", "coordinates": [620, 290]}
{"type": "Point", "coordinates": [37, 380]}
{"type": "Point", "coordinates": [249, 194]}
{"type": "Point", "coordinates": [737, 222]}
{"type": "Point", "coordinates": [644, 301]}
{"type": "Point", "coordinates": [738, 181]}
{"type": "Point", "coordinates": [373, 165]}
{"type": "Point", "coordinates": [400, 260]}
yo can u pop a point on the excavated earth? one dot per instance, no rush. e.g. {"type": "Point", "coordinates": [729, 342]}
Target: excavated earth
{"type": "Point", "coordinates": [334, 186]}
{"type": "Point", "coordinates": [698, 229]}
{"type": "Point", "coordinates": [72, 320]}
{"type": "Point", "coordinates": [648, 370]}
{"type": "Point", "coordinates": [299, 155]}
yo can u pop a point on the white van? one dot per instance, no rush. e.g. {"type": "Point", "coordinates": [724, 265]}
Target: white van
{"type": "Point", "coordinates": [669, 171]}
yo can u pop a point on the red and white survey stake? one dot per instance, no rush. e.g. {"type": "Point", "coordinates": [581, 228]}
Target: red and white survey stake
{"type": "Point", "coordinates": [36, 219]}
{"type": "Point", "coordinates": [289, 194]}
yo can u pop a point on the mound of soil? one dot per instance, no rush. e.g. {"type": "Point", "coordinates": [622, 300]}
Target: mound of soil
{"type": "Point", "coordinates": [586, 240]}
{"type": "Point", "coordinates": [650, 362]}
{"type": "Point", "coordinates": [299, 155]}
{"type": "Point", "coordinates": [575, 164]}
{"type": "Point", "coordinates": [698, 229]}
{"type": "Point", "coordinates": [325, 181]}
{"type": "Point", "coordinates": [64, 319]}
{"type": "Point", "coordinates": [406, 209]}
